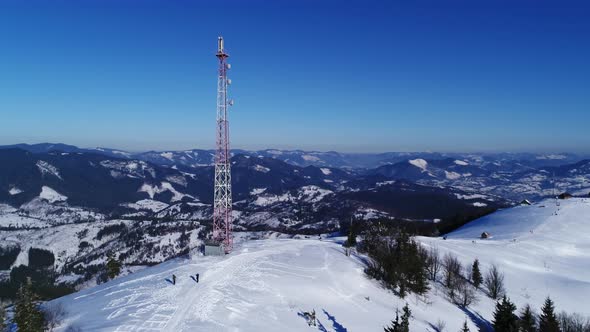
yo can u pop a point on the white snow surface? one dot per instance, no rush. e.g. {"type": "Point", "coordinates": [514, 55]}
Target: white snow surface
{"type": "Point", "coordinates": [152, 190]}
{"type": "Point", "coordinates": [543, 250]}
{"type": "Point", "coordinates": [260, 168]}
{"type": "Point", "coordinates": [461, 163]}
{"type": "Point", "coordinates": [452, 175]}
{"type": "Point", "coordinates": [14, 191]}
{"type": "Point", "coordinates": [326, 171]}
{"type": "Point", "coordinates": [51, 195]}
{"type": "Point", "coordinates": [420, 163]}
{"type": "Point", "coordinates": [46, 168]}
{"type": "Point", "coordinates": [263, 285]}
{"type": "Point", "coordinates": [146, 204]}
{"type": "Point", "coordinates": [308, 157]}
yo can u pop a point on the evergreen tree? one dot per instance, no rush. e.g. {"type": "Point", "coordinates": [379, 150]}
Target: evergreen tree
{"type": "Point", "coordinates": [395, 324]}
{"type": "Point", "coordinates": [465, 328]}
{"type": "Point", "coordinates": [548, 320]}
{"type": "Point", "coordinates": [27, 316]}
{"type": "Point", "coordinates": [113, 267]}
{"type": "Point", "coordinates": [527, 320]}
{"type": "Point", "coordinates": [351, 241]}
{"type": "Point", "coordinates": [405, 324]}
{"type": "Point", "coordinates": [504, 318]}
{"type": "Point", "coordinates": [476, 276]}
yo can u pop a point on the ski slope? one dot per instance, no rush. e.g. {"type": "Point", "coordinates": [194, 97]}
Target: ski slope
{"type": "Point", "coordinates": [543, 250]}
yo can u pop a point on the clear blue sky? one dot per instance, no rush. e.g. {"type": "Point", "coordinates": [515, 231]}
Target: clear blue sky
{"type": "Point", "coordinates": [348, 76]}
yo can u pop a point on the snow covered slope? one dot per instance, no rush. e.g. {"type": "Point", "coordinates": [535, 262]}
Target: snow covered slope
{"type": "Point", "coordinates": [263, 286]}
{"type": "Point", "coordinates": [266, 285]}
{"type": "Point", "coordinates": [543, 250]}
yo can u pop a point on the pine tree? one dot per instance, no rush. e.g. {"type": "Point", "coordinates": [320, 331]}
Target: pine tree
{"type": "Point", "coordinates": [395, 324]}
{"type": "Point", "coordinates": [405, 324]}
{"type": "Point", "coordinates": [527, 320]}
{"type": "Point", "coordinates": [476, 276]}
{"type": "Point", "coordinates": [113, 267]}
{"type": "Point", "coordinates": [351, 241]}
{"type": "Point", "coordinates": [504, 318]}
{"type": "Point", "coordinates": [465, 328]}
{"type": "Point", "coordinates": [548, 320]}
{"type": "Point", "coordinates": [27, 316]}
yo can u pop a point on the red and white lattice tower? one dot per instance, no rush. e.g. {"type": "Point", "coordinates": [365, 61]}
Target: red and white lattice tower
{"type": "Point", "coordinates": [222, 200]}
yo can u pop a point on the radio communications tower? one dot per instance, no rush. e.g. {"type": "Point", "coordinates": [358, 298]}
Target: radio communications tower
{"type": "Point", "coordinates": [222, 201]}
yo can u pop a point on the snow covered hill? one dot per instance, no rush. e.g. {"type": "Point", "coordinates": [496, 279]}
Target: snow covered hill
{"type": "Point", "coordinates": [543, 250]}
{"type": "Point", "coordinates": [264, 285]}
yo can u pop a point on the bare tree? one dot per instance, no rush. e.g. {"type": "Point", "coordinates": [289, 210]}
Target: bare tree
{"type": "Point", "coordinates": [434, 263]}
{"type": "Point", "coordinates": [54, 314]}
{"type": "Point", "coordinates": [452, 270]}
{"type": "Point", "coordinates": [573, 322]}
{"type": "Point", "coordinates": [494, 283]}
{"type": "Point", "coordinates": [440, 325]}
{"type": "Point", "coordinates": [465, 294]}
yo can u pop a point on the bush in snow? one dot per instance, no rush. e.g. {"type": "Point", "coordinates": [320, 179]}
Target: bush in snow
{"type": "Point", "coordinates": [113, 267]}
{"type": "Point", "coordinates": [440, 325]}
{"type": "Point", "coordinates": [54, 314]}
{"type": "Point", "coordinates": [494, 283]}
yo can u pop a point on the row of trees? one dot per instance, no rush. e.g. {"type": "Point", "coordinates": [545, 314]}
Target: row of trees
{"type": "Point", "coordinates": [463, 282]}
{"type": "Point", "coordinates": [505, 319]}
{"type": "Point", "coordinates": [405, 267]}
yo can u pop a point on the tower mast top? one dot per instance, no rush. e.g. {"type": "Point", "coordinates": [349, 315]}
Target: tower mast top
{"type": "Point", "coordinates": [220, 49]}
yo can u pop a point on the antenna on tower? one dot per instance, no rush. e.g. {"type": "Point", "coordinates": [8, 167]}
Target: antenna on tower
{"type": "Point", "coordinates": [222, 194]}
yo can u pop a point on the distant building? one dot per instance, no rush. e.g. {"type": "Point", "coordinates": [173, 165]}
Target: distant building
{"type": "Point", "coordinates": [485, 235]}
{"type": "Point", "coordinates": [525, 202]}
{"type": "Point", "coordinates": [565, 196]}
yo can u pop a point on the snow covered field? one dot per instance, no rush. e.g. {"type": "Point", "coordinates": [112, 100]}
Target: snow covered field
{"type": "Point", "coordinates": [543, 250]}
{"type": "Point", "coordinates": [266, 285]}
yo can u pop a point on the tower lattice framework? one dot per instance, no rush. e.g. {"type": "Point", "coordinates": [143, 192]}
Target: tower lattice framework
{"type": "Point", "coordinates": [222, 202]}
